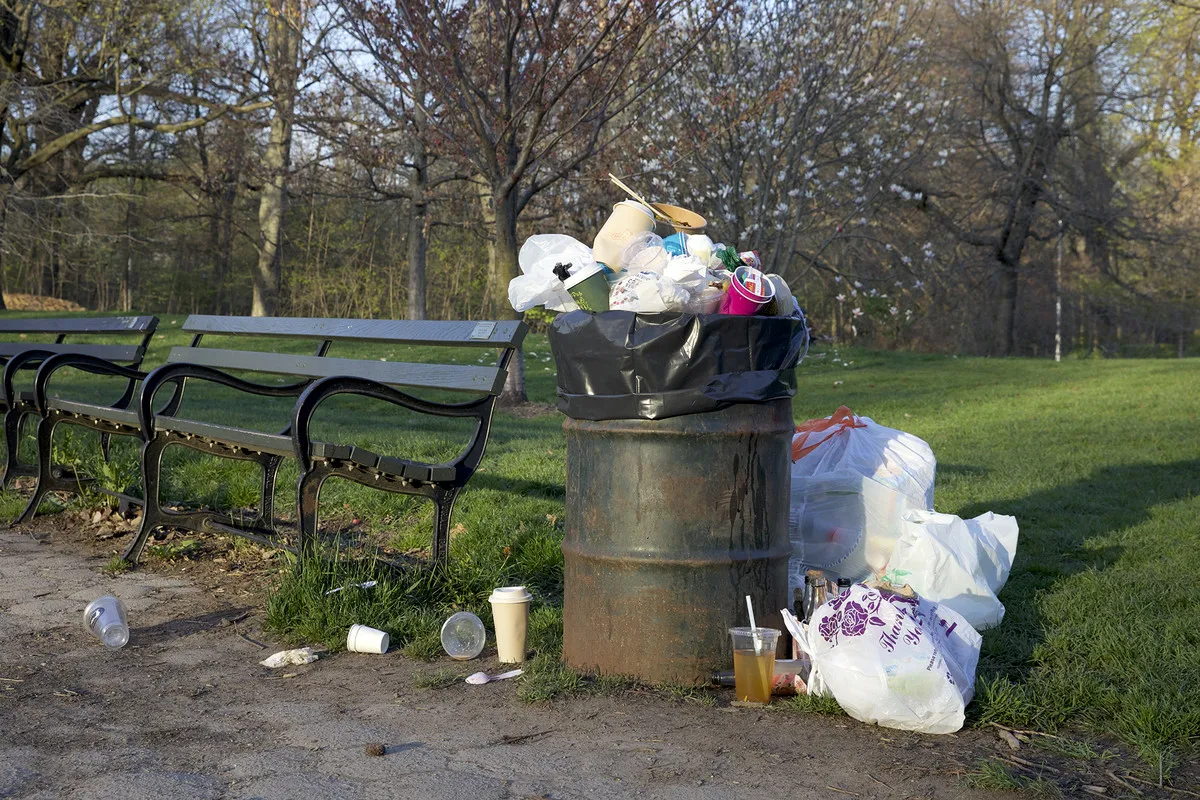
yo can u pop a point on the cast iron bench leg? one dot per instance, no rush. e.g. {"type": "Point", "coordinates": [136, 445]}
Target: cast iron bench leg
{"type": "Point", "coordinates": [270, 466]}
{"type": "Point", "coordinates": [443, 500]}
{"type": "Point", "coordinates": [308, 499]}
{"type": "Point", "coordinates": [45, 438]}
{"type": "Point", "coordinates": [152, 513]}
{"type": "Point", "coordinates": [13, 419]}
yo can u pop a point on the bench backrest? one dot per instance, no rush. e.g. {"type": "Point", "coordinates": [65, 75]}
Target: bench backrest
{"type": "Point", "coordinates": [60, 328]}
{"type": "Point", "coordinates": [506, 335]}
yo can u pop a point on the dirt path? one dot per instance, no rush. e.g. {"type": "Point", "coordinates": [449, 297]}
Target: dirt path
{"type": "Point", "coordinates": [185, 711]}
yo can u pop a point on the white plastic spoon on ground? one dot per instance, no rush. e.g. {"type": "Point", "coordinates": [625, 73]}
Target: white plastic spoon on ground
{"type": "Point", "coordinates": [480, 678]}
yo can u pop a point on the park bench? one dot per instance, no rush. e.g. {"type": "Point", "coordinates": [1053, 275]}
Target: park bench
{"type": "Point", "coordinates": [21, 352]}
{"type": "Point", "coordinates": [320, 377]}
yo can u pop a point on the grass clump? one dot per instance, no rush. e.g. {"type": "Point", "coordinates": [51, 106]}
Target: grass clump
{"type": "Point", "coordinates": [547, 678]}
{"type": "Point", "coordinates": [1069, 748]}
{"type": "Point", "coordinates": [808, 704]}
{"type": "Point", "coordinates": [437, 678]}
{"type": "Point", "coordinates": [995, 776]}
{"type": "Point", "coordinates": [117, 566]}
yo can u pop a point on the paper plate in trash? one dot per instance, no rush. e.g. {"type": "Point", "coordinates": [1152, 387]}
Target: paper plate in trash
{"type": "Point", "coordinates": [463, 636]}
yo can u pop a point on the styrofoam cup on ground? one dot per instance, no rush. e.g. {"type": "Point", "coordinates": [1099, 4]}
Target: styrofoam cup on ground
{"type": "Point", "coordinates": [510, 612]}
{"type": "Point", "coordinates": [362, 639]}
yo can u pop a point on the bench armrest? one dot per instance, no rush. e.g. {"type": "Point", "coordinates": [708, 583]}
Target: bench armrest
{"type": "Point", "coordinates": [26, 359]}
{"type": "Point", "coordinates": [97, 366]}
{"type": "Point", "coordinates": [178, 372]}
{"type": "Point", "coordinates": [323, 389]}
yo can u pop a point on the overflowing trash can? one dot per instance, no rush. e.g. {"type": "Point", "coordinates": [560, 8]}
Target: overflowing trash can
{"type": "Point", "coordinates": [679, 436]}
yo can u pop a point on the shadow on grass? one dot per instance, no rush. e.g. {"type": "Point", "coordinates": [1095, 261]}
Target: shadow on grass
{"type": "Point", "coordinates": [1061, 533]}
{"type": "Point", "coordinates": [507, 483]}
{"type": "Point", "coordinates": [1100, 611]}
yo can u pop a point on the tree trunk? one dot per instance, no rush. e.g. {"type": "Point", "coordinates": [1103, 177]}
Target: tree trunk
{"type": "Point", "coordinates": [50, 278]}
{"type": "Point", "coordinates": [3, 228]}
{"type": "Point", "coordinates": [283, 48]}
{"type": "Point", "coordinates": [502, 269]}
{"type": "Point", "coordinates": [130, 185]}
{"type": "Point", "coordinates": [418, 233]}
{"type": "Point", "coordinates": [1008, 310]}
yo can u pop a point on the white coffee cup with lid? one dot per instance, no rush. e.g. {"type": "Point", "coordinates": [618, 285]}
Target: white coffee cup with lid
{"type": "Point", "coordinates": [510, 611]}
{"type": "Point", "coordinates": [628, 219]}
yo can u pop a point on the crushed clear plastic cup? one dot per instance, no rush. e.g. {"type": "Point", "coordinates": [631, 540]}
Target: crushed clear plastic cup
{"type": "Point", "coordinates": [645, 253]}
{"type": "Point", "coordinates": [463, 636]}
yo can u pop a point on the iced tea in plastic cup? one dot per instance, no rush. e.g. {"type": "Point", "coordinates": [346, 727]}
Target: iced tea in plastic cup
{"type": "Point", "coordinates": [754, 663]}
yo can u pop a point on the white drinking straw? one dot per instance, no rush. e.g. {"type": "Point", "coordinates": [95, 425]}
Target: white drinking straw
{"type": "Point", "coordinates": [754, 628]}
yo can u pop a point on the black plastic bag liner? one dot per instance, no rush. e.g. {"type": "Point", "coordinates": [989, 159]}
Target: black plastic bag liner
{"type": "Point", "coordinates": [623, 365]}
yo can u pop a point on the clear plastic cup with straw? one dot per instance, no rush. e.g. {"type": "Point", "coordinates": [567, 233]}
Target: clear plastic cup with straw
{"type": "Point", "coordinates": [753, 660]}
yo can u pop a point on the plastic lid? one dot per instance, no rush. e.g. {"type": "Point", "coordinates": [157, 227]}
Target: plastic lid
{"type": "Point", "coordinates": [511, 594]}
{"type": "Point", "coordinates": [463, 636]}
{"type": "Point", "coordinates": [645, 209]}
{"type": "Point", "coordinates": [582, 275]}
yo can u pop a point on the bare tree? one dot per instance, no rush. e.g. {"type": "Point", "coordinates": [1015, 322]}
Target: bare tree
{"type": "Point", "coordinates": [1036, 79]}
{"type": "Point", "coordinates": [285, 24]}
{"type": "Point", "coordinates": [70, 75]}
{"type": "Point", "coordinates": [526, 92]}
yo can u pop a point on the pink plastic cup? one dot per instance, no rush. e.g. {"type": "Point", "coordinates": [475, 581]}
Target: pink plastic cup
{"type": "Point", "coordinates": [739, 299]}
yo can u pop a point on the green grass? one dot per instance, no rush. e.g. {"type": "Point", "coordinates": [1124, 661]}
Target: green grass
{"type": "Point", "coordinates": [438, 678]}
{"type": "Point", "coordinates": [1099, 460]}
{"type": "Point", "coordinates": [995, 776]}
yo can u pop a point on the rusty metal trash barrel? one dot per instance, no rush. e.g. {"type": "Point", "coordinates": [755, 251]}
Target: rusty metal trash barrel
{"type": "Point", "coordinates": [669, 525]}
{"type": "Point", "coordinates": [678, 486]}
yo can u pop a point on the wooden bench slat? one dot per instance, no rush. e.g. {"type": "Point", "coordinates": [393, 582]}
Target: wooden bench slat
{"type": "Point", "coordinates": [414, 470]}
{"type": "Point", "coordinates": [486, 380]}
{"type": "Point", "coordinates": [106, 413]}
{"type": "Point", "coordinates": [56, 325]}
{"type": "Point", "coordinates": [427, 332]}
{"type": "Point", "coordinates": [109, 352]}
{"type": "Point", "coordinates": [253, 440]}
{"type": "Point", "coordinates": [24, 397]}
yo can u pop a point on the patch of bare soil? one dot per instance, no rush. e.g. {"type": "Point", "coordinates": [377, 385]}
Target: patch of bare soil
{"type": "Point", "coordinates": [216, 562]}
{"type": "Point", "coordinates": [186, 711]}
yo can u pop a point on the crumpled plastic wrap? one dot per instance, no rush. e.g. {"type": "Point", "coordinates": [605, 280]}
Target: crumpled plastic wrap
{"type": "Point", "coordinates": [644, 253]}
{"type": "Point", "coordinates": [538, 285]}
{"type": "Point", "coordinates": [301, 655]}
{"type": "Point", "coordinates": [647, 293]}
{"type": "Point", "coordinates": [622, 365]}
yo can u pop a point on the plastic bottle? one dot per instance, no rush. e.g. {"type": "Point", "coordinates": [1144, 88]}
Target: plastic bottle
{"type": "Point", "coordinates": [108, 621]}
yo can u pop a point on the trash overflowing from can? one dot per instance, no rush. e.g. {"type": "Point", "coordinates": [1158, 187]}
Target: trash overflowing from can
{"type": "Point", "coordinates": [690, 489]}
{"type": "Point", "coordinates": [676, 362]}
{"type": "Point", "coordinates": [630, 267]}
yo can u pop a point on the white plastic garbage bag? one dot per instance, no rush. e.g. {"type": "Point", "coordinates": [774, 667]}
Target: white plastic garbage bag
{"type": "Point", "coordinates": [852, 480]}
{"type": "Point", "coordinates": [538, 285]}
{"type": "Point", "coordinates": [892, 661]}
{"type": "Point", "coordinates": [959, 564]}
{"type": "Point", "coordinates": [896, 459]}
{"type": "Point", "coordinates": [844, 524]}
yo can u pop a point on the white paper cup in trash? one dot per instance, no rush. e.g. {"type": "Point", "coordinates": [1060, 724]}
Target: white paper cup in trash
{"type": "Point", "coordinates": [362, 639]}
{"type": "Point", "coordinates": [510, 611]}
